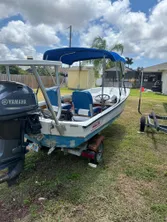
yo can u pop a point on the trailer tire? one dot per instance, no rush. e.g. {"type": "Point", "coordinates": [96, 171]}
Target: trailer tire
{"type": "Point", "coordinates": [142, 123]}
{"type": "Point", "coordinates": [99, 154]}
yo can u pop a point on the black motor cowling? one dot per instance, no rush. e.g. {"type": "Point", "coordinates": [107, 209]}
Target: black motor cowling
{"type": "Point", "coordinates": [18, 115]}
{"type": "Point", "coordinates": [16, 100]}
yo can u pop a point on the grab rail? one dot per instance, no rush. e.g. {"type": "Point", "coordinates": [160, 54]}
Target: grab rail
{"type": "Point", "coordinates": [46, 98]}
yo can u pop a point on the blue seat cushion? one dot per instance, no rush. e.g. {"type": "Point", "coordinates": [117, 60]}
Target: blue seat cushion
{"type": "Point", "coordinates": [52, 94]}
{"type": "Point", "coordinates": [86, 112]}
{"type": "Point", "coordinates": [83, 104]}
{"type": "Point", "coordinates": [86, 117]}
{"type": "Point", "coordinates": [82, 100]}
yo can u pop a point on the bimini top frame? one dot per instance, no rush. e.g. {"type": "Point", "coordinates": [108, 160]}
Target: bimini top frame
{"type": "Point", "coordinates": [33, 64]}
{"type": "Point", "coordinates": [75, 54]}
{"type": "Point", "coordinates": [29, 62]}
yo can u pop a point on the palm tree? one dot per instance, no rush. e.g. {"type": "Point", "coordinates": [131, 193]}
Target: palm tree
{"type": "Point", "coordinates": [118, 47]}
{"type": "Point", "coordinates": [101, 43]}
{"type": "Point", "coordinates": [129, 61]}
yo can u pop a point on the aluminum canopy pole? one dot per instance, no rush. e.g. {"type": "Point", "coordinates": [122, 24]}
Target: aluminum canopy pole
{"type": "Point", "coordinates": [118, 80]}
{"type": "Point", "coordinates": [103, 77]}
{"type": "Point", "coordinates": [58, 92]}
{"type": "Point", "coordinates": [123, 80]}
{"type": "Point", "coordinates": [8, 72]}
{"type": "Point", "coordinates": [46, 98]}
{"type": "Point", "coordinates": [122, 68]}
{"type": "Point", "coordinates": [46, 68]}
{"type": "Point", "coordinates": [70, 36]}
{"type": "Point", "coordinates": [57, 75]}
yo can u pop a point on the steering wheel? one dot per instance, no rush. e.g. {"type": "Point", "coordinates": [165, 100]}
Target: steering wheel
{"type": "Point", "coordinates": [102, 98]}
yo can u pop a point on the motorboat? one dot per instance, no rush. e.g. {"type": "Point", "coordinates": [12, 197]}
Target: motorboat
{"type": "Point", "coordinates": [70, 123]}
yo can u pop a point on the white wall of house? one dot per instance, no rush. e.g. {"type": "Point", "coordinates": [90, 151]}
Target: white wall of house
{"type": "Point", "coordinates": [164, 82]}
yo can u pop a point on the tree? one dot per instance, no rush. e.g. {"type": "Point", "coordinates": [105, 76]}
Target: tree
{"type": "Point", "coordinates": [101, 43]}
{"type": "Point", "coordinates": [129, 61]}
{"type": "Point", "coordinates": [42, 71]}
{"type": "Point", "coordinates": [118, 47]}
{"type": "Point", "coordinates": [13, 70]}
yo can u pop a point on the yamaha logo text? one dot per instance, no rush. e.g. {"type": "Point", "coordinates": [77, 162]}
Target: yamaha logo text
{"type": "Point", "coordinates": [13, 102]}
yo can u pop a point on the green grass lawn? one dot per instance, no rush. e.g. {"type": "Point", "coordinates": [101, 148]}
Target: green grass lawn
{"type": "Point", "coordinates": [129, 185]}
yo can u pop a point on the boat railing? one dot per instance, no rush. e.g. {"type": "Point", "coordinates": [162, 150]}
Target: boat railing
{"type": "Point", "coordinates": [33, 64]}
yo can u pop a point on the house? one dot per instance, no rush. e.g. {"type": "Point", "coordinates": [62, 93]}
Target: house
{"type": "Point", "coordinates": [156, 72]}
{"type": "Point", "coordinates": [81, 77]}
{"type": "Point", "coordinates": [131, 77]}
{"type": "Point", "coordinates": [152, 75]}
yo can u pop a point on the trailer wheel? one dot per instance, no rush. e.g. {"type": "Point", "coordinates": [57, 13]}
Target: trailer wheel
{"type": "Point", "coordinates": [142, 123]}
{"type": "Point", "coordinates": [99, 154]}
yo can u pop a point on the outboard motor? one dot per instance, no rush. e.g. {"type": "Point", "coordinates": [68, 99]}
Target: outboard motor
{"type": "Point", "coordinates": [18, 114]}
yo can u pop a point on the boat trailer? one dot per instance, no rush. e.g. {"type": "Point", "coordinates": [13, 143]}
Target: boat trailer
{"type": "Point", "coordinates": [150, 120]}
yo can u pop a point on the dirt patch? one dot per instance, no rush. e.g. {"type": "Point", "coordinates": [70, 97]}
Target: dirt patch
{"type": "Point", "coordinates": [10, 215]}
{"type": "Point", "coordinates": [162, 167]}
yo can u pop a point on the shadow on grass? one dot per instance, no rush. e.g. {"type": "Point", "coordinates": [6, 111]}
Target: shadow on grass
{"type": "Point", "coordinates": [155, 136]}
{"type": "Point", "coordinates": [165, 107]}
{"type": "Point", "coordinates": [113, 137]}
{"type": "Point", "coordinates": [151, 134]}
{"type": "Point", "coordinates": [60, 177]}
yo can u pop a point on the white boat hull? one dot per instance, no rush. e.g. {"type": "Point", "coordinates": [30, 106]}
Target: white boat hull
{"type": "Point", "coordinates": [76, 133]}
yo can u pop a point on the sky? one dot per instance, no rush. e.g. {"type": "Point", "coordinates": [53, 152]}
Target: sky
{"type": "Point", "coordinates": [29, 28]}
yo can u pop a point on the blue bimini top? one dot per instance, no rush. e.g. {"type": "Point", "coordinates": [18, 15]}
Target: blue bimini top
{"type": "Point", "coordinates": [75, 54]}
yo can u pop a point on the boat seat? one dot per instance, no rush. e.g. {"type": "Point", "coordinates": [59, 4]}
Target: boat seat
{"type": "Point", "coordinates": [80, 118]}
{"type": "Point", "coordinates": [52, 94]}
{"type": "Point", "coordinates": [83, 104]}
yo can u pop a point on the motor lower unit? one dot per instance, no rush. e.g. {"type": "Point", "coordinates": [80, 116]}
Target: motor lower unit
{"type": "Point", "coordinates": [18, 115]}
